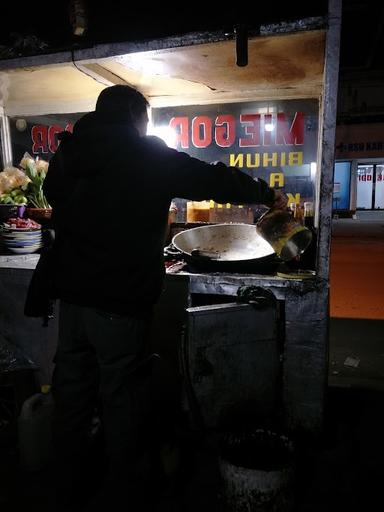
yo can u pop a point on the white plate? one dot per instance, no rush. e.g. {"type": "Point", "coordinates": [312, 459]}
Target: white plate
{"type": "Point", "coordinates": [17, 230]}
{"type": "Point", "coordinates": [24, 250]}
{"type": "Point", "coordinates": [20, 233]}
{"type": "Point", "coordinates": [21, 243]}
{"type": "Point", "coordinates": [21, 237]}
{"type": "Point", "coordinates": [24, 234]}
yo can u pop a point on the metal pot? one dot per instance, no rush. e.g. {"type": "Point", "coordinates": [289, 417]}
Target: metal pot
{"type": "Point", "coordinates": [288, 237]}
{"type": "Point", "coordinates": [226, 247]}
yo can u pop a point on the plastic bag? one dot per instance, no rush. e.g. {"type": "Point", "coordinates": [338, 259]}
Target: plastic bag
{"type": "Point", "coordinates": [12, 358]}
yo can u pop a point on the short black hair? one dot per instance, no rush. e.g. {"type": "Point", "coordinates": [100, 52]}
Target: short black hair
{"type": "Point", "coordinates": [121, 98]}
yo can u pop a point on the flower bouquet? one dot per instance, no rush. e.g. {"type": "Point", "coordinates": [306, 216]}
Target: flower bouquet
{"type": "Point", "coordinates": [36, 171]}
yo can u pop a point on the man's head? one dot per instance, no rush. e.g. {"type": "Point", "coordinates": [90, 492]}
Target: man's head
{"type": "Point", "coordinates": [125, 101]}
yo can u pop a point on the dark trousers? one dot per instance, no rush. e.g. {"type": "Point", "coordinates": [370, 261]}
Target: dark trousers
{"type": "Point", "coordinates": [101, 359]}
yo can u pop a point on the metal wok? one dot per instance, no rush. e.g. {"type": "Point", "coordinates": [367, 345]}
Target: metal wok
{"type": "Point", "coordinates": [226, 248]}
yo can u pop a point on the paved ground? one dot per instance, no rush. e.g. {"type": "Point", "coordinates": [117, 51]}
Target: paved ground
{"type": "Point", "coordinates": [356, 355]}
{"type": "Point", "coordinates": [341, 471]}
{"type": "Point", "coordinates": [357, 269]}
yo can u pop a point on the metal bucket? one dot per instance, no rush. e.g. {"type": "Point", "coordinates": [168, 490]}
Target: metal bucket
{"type": "Point", "coordinates": [288, 237]}
{"type": "Point", "coordinates": [257, 472]}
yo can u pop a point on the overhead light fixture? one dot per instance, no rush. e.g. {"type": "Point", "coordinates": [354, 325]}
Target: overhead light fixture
{"type": "Point", "coordinates": [147, 65]}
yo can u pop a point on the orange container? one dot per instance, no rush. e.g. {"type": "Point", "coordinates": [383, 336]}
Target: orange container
{"type": "Point", "coordinates": [198, 211]}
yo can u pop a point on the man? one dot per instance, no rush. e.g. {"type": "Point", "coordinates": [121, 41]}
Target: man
{"type": "Point", "coordinates": [110, 187]}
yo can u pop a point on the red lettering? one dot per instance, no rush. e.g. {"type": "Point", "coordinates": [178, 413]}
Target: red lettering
{"type": "Point", "coordinates": [39, 135]}
{"type": "Point", "coordinates": [180, 125]}
{"type": "Point", "coordinates": [52, 137]}
{"type": "Point", "coordinates": [44, 138]}
{"type": "Point", "coordinates": [201, 131]}
{"type": "Point", "coordinates": [293, 134]}
{"type": "Point", "coordinates": [369, 177]}
{"type": "Point", "coordinates": [253, 130]}
{"type": "Point", "coordinates": [225, 131]}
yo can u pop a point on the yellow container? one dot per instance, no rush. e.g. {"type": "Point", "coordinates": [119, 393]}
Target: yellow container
{"type": "Point", "coordinates": [198, 211]}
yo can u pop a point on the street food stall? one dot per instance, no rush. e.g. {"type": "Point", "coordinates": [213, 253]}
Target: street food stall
{"type": "Point", "coordinates": [266, 104]}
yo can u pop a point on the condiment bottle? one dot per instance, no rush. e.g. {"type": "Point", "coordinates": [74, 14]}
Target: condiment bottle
{"type": "Point", "coordinates": [292, 208]}
{"type": "Point", "coordinates": [308, 260]}
{"type": "Point", "coordinates": [308, 215]}
{"type": "Point", "coordinates": [298, 215]}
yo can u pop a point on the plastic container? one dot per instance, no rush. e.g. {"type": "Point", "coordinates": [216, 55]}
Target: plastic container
{"type": "Point", "coordinates": [8, 211]}
{"type": "Point", "coordinates": [34, 431]}
{"type": "Point", "coordinates": [198, 211]}
{"type": "Point", "coordinates": [309, 215]}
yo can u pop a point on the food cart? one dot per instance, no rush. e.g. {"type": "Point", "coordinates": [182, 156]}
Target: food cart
{"type": "Point", "coordinates": [270, 110]}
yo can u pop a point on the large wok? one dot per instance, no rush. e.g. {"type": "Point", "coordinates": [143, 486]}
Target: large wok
{"type": "Point", "coordinates": [226, 247]}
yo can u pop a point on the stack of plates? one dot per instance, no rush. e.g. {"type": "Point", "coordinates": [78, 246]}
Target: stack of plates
{"type": "Point", "coordinates": [21, 240]}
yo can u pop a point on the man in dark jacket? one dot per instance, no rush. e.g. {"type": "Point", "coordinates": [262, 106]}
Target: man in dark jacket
{"type": "Point", "coordinates": [110, 187]}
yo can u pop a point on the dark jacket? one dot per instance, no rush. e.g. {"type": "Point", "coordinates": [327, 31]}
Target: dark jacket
{"type": "Point", "coordinates": [110, 191]}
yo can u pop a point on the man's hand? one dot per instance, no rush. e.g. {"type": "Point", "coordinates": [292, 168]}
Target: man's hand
{"type": "Point", "coordinates": [281, 200]}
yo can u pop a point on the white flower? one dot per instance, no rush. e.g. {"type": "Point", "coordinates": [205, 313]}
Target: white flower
{"type": "Point", "coordinates": [41, 166]}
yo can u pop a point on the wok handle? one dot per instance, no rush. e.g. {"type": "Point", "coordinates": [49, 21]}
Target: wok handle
{"type": "Point", "coordinates": [205, 255]}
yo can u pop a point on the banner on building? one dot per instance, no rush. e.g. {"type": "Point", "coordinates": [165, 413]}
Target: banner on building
{"type": "Point", "coordinates": [276, 141]}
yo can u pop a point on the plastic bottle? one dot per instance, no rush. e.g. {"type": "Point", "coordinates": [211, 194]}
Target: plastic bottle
{"type": "Point", "coordinates": [309, 257]}
{"type": "Point", "coordinates": [34, 431]}
{"type": "Point", "coordinates": [292, 208]}
{"type": "Point", "coordinates": [298, 214]}
{"type": "Point", "coordinates": [308, 215]}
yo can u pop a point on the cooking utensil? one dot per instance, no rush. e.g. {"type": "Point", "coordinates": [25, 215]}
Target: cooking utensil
{"type": "Point", "coordinates": [288, 237]}
{"type": "Point", "coordinates": [226, 247]}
